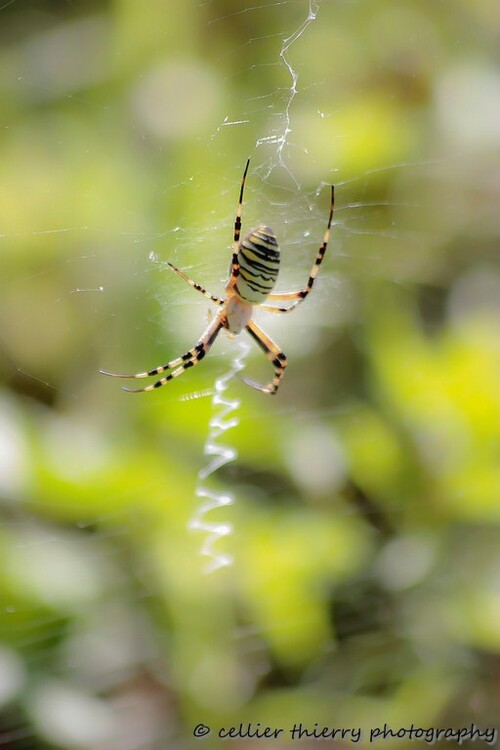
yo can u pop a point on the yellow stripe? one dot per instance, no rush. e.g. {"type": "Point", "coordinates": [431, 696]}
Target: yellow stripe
{"type": "Point", "coordinates": [260, 242]}
{"type": "Point", "coordinates": [251, 255]}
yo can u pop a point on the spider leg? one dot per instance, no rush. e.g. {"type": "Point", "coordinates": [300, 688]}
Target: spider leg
{"type": "Point", "coordinates": [217, 300]}
{"type": "Point", "coordinates": [273, 353]}
{"type": "Point", "coordinates": [235, 266]}
{"type": "Point", "coordinates": [191, 358]}
{"type": "Point", "coordinates": [301, 294]}
{"type": "Point", "coordinates": [196, 353]}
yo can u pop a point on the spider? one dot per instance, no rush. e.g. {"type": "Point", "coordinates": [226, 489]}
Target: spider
{"type": "Point", "coordinates": [253, 273]}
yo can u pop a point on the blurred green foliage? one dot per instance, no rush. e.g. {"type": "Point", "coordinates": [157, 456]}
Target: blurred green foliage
{"type": "Point", "coordinates": [365, 584]}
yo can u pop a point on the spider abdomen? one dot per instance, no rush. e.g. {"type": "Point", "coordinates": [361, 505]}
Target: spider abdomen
{"type": "Point", "coordinates": [259, 260]}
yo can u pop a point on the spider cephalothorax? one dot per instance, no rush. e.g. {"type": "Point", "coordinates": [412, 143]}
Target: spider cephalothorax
{"type": "Point", "coordinates": [252, 276]}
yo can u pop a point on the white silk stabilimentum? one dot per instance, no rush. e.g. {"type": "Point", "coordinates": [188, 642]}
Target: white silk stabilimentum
{"type": "Point", "coordinates": [219, 456]}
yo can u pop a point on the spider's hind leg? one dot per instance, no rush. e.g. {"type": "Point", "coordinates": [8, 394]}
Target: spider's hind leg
{"type": "Point", "coordinates": [273, 353]}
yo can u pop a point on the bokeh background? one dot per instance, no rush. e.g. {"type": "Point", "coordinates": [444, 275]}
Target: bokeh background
{"type": "Point", "coordinates": [365, 587]}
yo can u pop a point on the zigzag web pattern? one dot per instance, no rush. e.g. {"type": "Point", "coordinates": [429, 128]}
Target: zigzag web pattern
{"type": "Point", "coordinates": [222, 406]}
{"type": "Point", "coordinates": [220, 455]}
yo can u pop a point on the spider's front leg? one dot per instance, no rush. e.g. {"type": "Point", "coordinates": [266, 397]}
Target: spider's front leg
{"type": "Point", "coordinates": [273, 353]}
{"type": "Point", "coordinates": [208, 295]}
{"type": "Point", "coordinates": [237, 229]}
{"type": "Point", "coordinates": [300, 295]}
{"type": "Point", "coordinates": [189, 359]}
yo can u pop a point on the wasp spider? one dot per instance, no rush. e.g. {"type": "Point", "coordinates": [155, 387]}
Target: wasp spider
{"type": "Point", "coordinates": [253, 273]}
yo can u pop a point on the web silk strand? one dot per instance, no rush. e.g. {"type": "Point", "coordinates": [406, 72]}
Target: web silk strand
{"type": "Point", "coordinates": [287, 43]}
{"type": "Point", "coordinates": [223, 419]}
{"type": "Point", "coordinates": [281, 138]}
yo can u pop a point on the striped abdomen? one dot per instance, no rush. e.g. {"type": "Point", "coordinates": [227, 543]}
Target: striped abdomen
{"type": "Point", "coordinates": [259, 260]}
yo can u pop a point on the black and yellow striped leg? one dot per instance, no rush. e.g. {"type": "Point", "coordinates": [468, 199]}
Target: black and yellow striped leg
{"type": "Point", "coordinates": [237, 226]}
{"type": "Point", "coordinates": [189, 359]}
{"type": "Point", "coordinates": [217, 300]}
{"type": "Point", "coordinates": [273, 353]}
{"type": "Point", "coordinates": [301, 294]}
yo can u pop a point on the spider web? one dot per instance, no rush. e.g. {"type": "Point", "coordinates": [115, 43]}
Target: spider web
{"type": "Point", "coordinates": [58, 709]}
{"type": "Point", "coordinates": [86, 563]}
{"type": "Point", "coordinates": [219, 424]}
